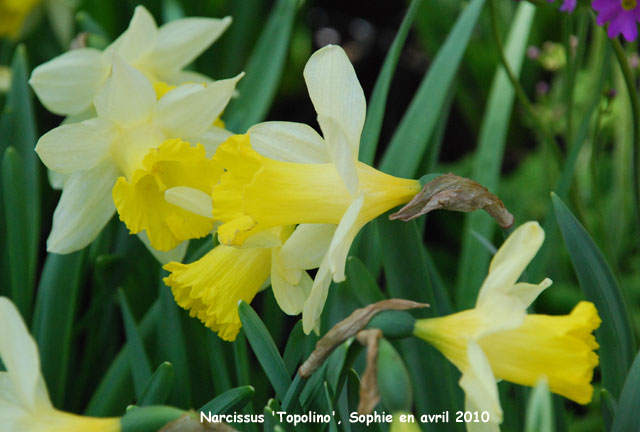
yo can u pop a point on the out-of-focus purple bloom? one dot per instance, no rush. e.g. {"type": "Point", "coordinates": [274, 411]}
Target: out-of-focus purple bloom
{"type": "Point", "coordinates": [567, 5]}
{"type": "Point", "coordinates": [622, 16]}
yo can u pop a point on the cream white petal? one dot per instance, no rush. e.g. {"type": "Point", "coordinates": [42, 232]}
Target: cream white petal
{"type": "Point", "coordinates": [500, 312]}
{"type": "Point", "coordinates": [12, 413]}
{"type": "Point", "coordinates": [211, 139]}
{"type": "Point", "coordinates": [336, 94]}
{"type": "Point", "coordinates": [347, 230]}
{"type": "Point", "coordinates": [290, 297]}
{"type": "Point", "coordinates": [317, 298]}
{"type": "Point", "coordinates": [289, 142]}
{"type": "Point", "coordinates": [190, 110]}
{"type": "Point", "coordinates": [165, 257]}
{"type": "Point", "coordinates": [190, 199]}
{"type": "Point", "coordinates": [20, 356]}
{"type": "Point", "coordinates": [138, 40]}
{"type": "Point", "coordinates": [77, 146]}
{"type": "Point", "coordinates": [307, 246]}
{"type": "Point", "coordinates": [184, 77]}
{"type": "Point", "coordinates": [84, 209]}
{"type": "Point", "coordinates": [57, 180]}
{"type": "Point", "coordinates": [527, 292]}
{"type": "Point", "coordinates": [127, 97]}
{"type": "Point", "coordinates": [181, 41]}
{"type": "Point", "coordinates": [511, 259]}
{"type": "Point", "coordinates": [67, 84]}
{"type": "Point", "coordinates": [479, 385]}
{"type": "Point", "coordinates": [341, 152]}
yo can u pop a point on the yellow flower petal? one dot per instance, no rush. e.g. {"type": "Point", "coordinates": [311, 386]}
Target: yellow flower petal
{"type": "Point", "coordinates": [59, 421]}
{"type": "Point", "coordinates": [561, 348]}
{"type": "Point", "coordinates": [211, 287]}
{"type": "Point", "coordinates": [141, 203]}
{"type": "Point", "coordinates": [256, 192]}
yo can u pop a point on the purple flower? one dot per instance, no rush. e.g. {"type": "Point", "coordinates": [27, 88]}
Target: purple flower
{"type": "Point", "coordinates": [567, 5]}
{"type": "Point", "coordinates": [622, 16]}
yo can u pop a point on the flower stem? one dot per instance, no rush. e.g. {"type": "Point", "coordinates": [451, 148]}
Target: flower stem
{"type": "Point", "coordinates": [630, 82]}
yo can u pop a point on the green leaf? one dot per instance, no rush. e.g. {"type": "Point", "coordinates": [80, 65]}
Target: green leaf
{"type": "Point", "coordinates": [626, 418]}
{"type": "Point", "coordinates": [157, 389]}
{"type": "Point", "coordinates": [264, 70]}
{"type": "Point", "coordinates": [615, 335]}
{"type": "Point", "coordinates": [609, 407]}
{"type": "Point", "coordinates": [151, 418]}
{"type": "Point", "coordinates": [218, 363]}
{"type": "Point", "coordinates": [115, 389]}
{"type": "Point", "coordinates": [294, 350]}
{"type": "Point", "coordinates": [53, 318]}
{"type": "Point", "coordinates": [229, 401]}
{"type": "Point", "coordinates": [138, 360]}
{"type": "Point", "coordinates": [540, 410]}
{"type": "Point", "coordinates": [172, 346]}
{"type": "Point", "coordinates": [18, 130]}
{"type": "Point", "coordinates": [394, 383]}
{"type": "Point", "coordinates": [487, 161]}
{"type": "Point", "coordinates": [378, 100]}
{"type": "Point", "coordinates": [407, 277]}
{"type": "Point", "coordinates": [17, 232]}
{"type": "Point", "coordinates": [410, 140]}
{"type": "Point", "coordinates": [264, 349]}
{"type": "Point", "coordinates": [291, 398]}
{"type": "Point", "coordinates": [362, 283]}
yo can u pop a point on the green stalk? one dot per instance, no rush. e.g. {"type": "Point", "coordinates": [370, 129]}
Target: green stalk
{"type": "Point", "coordinates": [548, 138]}
{"type": "Point", "coordinates": [629, 80]}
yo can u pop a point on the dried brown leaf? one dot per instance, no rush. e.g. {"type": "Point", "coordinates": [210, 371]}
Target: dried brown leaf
{"type": "Point", "coordinates": [451, 192]}
{"type": "Point", "coordinates": [347, 328]}
{"type": "Point", "coordinates": [369, 394]}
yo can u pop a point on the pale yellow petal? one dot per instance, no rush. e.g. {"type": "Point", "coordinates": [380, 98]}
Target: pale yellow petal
{"type": "Point", "coordinates": [511, 259]}
{"type": "Point", "coordinates": [289, 142]}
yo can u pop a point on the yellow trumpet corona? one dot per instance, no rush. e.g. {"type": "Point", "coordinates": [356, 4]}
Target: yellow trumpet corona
{"type": "Point", "coordinates": [256, 192]}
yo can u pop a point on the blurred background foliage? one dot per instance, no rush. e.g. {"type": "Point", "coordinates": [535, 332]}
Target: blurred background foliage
{"type": "Point", "coordinates": [569, 74]}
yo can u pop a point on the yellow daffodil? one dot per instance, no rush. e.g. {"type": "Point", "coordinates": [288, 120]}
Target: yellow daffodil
{"type": "Point", "coordinates": [67, 84]}
{"type": "Point", "coordinates": [24, 401]}
{"type": "Point", "coordinates": [134, 138]}
{"type": "Point", "coordinates": [19, 17]}
{"type": "Point", "coordinates": [325, 189]}
{"type": "Point", "coordinates": [211, 287]}
{"type": "Point", "coordinates": [498, 340]}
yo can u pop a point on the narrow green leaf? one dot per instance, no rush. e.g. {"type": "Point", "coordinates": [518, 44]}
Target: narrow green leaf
{"type": "Point", "coordinates": [540, 410]}
{"type": "Point", "coordinates": [138, 360]}
{"type": "Point", "coordinates": [626, 418]}
{"type": "Point", "coordinates": [172, 346]}
{"type": "Point", "coordinates": [218, 364]}
{"type": "Point", "coordinates": [241, 359]}
{"type": "Point", "coordinates": [615, 335]}
{"type": "Point", "coordinates": [378, 100]}
{"type": "Point", "coordinates": [115, 389]}
{"type": "Point", "coordinates": [264, 69]}
{"type": "Point", "coordinates": [394, 383]}
{"type": "Point", "coordinates": [151, 418]}
{"type": "Point", "coordinates": [410, 140]}
{"type": "Point", "coordinates": [18, 130]}
{"type": "Point", "coordinates": [609, 407]}
{"type": "Point", "coordinates": [362, 283]}
{"type": "Point", "coordinates": [157, 389]}
{"type": "Point", "coordinates": [291, 398]}
{"type": "Point", "coordinates": [53, 318]}
{"type": "Point", "coordinates": [229, 401]}
{"type": "Point", "coordinates": [407, 277]}
{"type": "Point", "coordinates": [294, 350]}
{"type": "Point", "coordinates": [487, 162]}
{"type": "Point", "coordinates": [15, 213]}
{"type": "Point", "coordinates": [264, 349]}
{"type": "Point", "coordinates": [333, 427]}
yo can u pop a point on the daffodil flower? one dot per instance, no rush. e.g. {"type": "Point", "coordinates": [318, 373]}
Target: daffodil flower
{"type": "Point", "coordinates": [326, 190]}
{"type": "Point", "coordinates": [13, 14]}
{"type": "Point", "coordinates": [499, 340]}
{"type": "Point", "coordinates": [24, 400]}
{"type": "Point", "coordinates": [211, 287]}
{"type": "Point", "coordinates": [67, 84]}
{"type": "Point", "coordinates": [133, 144]}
